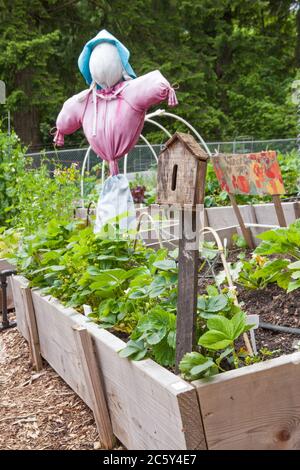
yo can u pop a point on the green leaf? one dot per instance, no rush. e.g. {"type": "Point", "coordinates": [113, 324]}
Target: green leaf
{"type": "Point", "coordinates": [57, 268]}
{"type": "Point", "coordinates": [222, 324]}
{"type": "Point", "coordinates": [201, 303]}
{"type": "Point", "coordinates": [134, 349]}
{"type": "Point", "coordinates": [212, 291]}
{"type": "Point", "coordinates": [195, 365]}
{"type": "Point", "coordinates": [166, 265]}
{"type": "Point", "coordinates": [238, 322]}
{"type": "Point", "coordinates": [138, 294]}
{"type": "Point", "coordinates": [214, 340]}
{"type": "Point", "coordinates": [164, 354]}
{"type": "Point", "coordinates": [216, 303]}
{"type": "Point", "coordinates": [171, 338]}
{"type": "Point", "coordinates": [93, 271]}
{"type": "Point", "coordinates": [295, 265]}
{"type": "Point", "coordinates": [224, 354]}
{"type": "Point", "coordinates": [196, 370]}
{"type": "Point", "coordinates": [293, 285]}
{"type": "Point", "coordinates": [157, 336]}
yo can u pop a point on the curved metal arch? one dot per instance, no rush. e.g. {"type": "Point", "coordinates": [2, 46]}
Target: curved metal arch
{"type": "Point", "coordinates": [160, 126]}
{"type": "Point", "coordinates": [179, 118]}
{"type": "Point", "coordinates": [157, 124]}
{"type": "Point", "coordinates": [82, 175]}
{"type": "Point", "coordinates": [159, 112]}
{"type": "Point", "coordinates": [150, 147]}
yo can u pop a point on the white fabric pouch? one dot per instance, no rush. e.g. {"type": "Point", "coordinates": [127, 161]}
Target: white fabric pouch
{"type": "Point", "coordinates": [115, 205]}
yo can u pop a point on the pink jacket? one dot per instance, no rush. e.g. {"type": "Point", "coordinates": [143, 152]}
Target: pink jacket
{"type": "Point", "coordinates": [112, 119]}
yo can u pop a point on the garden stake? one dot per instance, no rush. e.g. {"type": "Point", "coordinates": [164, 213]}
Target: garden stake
{"type": "Point", "coordinates": [5, 321]}
{"type": "Point", "coordinates": [232, 287]}
{"type": "Point", "coordinates": [181, 184]}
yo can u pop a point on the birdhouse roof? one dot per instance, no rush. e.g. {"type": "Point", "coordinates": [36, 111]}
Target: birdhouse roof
{"type": "Point", "coordinates": [190, 142]}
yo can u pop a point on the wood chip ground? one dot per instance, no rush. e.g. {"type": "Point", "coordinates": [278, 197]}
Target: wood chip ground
{"type": "Point", "coordinates": [38, 410]}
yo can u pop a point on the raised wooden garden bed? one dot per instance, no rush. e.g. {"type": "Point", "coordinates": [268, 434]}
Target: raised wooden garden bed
{"type": "Point", "coordinates": [224, 221]}
{"type": "Point", "coordinates": [257, 407]}
{"type": "Point", "coordinates": [149, 407]}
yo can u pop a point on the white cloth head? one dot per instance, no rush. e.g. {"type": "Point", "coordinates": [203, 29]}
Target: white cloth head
{"type": "Point", "coordinates": [105, 65]}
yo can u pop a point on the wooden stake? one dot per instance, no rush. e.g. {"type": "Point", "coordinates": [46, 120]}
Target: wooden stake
{"type": "Point", "coordinates": [297, 210]}
{"type": "Point", "coordinates": [279, 210]}
{"type": "Point", "coordinates": [95, 386]}
{"type": "Point", "coordinates": [34, 342]}
{"type": "Point", "coordinates": [245, 230]}
{"type": "Point", "coordinates": [187, 286]}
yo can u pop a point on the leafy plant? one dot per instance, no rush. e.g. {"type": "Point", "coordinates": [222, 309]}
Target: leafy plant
{"type": "Point", "coordinates": [257, 272]}
{"type": "Point", "coordinates": [157, 332]}
{"type": "Point", "coordinates": [220, 336]}
{"type": "Point", "coordinates": [41, 197]}
{"type": "Point", "coordinates": [222, 332]}
{"type": "Point", "coordinates": [9, 242]}
{"type": "Point", "coordinates": [283, 241]}
{"type": "Point", "coordinates": [279, 242]}
{"type": "Point", "coordinates": [12, 169]}
{"type": "Point", "coordinates": [195, 366]}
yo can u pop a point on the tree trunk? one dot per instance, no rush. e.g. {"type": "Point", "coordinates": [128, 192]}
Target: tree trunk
{"type": "Point", "coordinates": [26, 117]}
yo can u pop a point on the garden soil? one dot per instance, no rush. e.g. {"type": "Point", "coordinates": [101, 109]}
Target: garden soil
{"type": "Point", "coordinates": [274, 305]}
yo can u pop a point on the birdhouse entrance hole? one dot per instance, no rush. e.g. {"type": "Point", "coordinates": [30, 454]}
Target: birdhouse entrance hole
{"type": "Point", "coordinates": [174, 177]}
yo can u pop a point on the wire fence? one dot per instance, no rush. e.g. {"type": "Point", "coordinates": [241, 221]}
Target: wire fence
{"type": "Point", "coordinates": [141, 157]}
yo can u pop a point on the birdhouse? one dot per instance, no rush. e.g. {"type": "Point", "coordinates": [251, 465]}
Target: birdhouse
{"type": "Point", "coordinates": [181, 171]}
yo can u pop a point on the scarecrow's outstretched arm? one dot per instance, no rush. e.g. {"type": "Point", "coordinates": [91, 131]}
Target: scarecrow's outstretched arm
{"type": "Point", "coordinates": [149, 90]}
{"type": "Point", "coordinates": [69, 119]}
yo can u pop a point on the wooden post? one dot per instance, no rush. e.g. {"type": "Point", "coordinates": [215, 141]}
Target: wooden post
{"type": "Point", "coordinates": [34, 342]}
{"type": "Point", "coordinates": [245, 230]}
{"type": "Point", "coordinates": [187, 285]}
{"type": "Point", "coordinates": [279, 210]}
{"type": "Point", "coordinates": [297, 210]}
{"type": "Point", "coordinates": [95, 386]}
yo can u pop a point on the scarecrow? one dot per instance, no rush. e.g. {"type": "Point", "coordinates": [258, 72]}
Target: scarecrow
{"type": "Point", "coordinates": [112, 113]}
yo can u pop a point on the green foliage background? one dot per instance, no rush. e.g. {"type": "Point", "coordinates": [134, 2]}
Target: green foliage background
{"type": "Point", "coordinates": [234, 60]}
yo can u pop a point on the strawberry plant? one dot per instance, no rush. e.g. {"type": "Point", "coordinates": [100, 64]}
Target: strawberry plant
{"type": "Point", "coordinates": [283, 246]}
{"type": "Point", "coordinates": [217, 345]}
{"type": "Point", "coordinates": [282, 242]}
{"type": "Point", "coordinates": [133, 291]}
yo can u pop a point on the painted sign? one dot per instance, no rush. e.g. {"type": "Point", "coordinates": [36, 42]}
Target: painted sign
{"type": "Point", "coordinates": [253, 173]}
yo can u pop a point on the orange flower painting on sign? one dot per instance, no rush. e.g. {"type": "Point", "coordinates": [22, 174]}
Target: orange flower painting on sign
{"type": "Point", "coordinates": [253, 173]}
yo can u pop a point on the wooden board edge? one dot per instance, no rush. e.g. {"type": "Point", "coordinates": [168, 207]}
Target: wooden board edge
{"type": "Point", "coordinates": [95, 385]}
{"type": "Point", "coordinates": [192, 423]}
{"type": "Point", "coordinates": [258, 368]}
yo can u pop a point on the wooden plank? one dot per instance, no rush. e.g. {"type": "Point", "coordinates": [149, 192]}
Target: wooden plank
{"type": "Point", "coordinates": [188, 263]}
{"type": "Point", "coordinates": [150, 407]}
{"type": "Point", "coordinates": [17, 283]}
{"type": "Point", "coordinates": [200, 186]}
{"type": "Point", "coordinates": [58, 344]}
{"type": "Point", "coordinates": [95, 386]}
{"type": "Point", "coordinates": [297, 210]}
{"type": "Point", "coordinates": [279, 211]}
{"type": "Point", "coordinates": [6, 264]}
{"type": "Point", "coordinates": [266, 213]}
{"type": "Point", "coordinates": [32, 328]}
{"type": "Point", "coordinates": [245, 231]}
{"type": "Point", "coordinates": [254, 408]}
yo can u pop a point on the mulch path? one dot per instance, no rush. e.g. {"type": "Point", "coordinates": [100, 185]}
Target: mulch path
{"type": "Point", "coordinates": [37, 409]}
